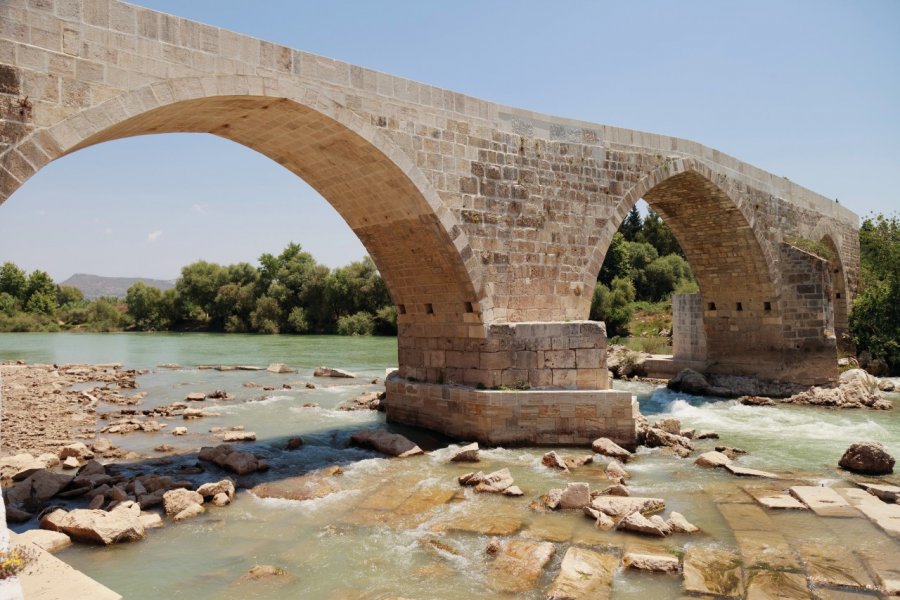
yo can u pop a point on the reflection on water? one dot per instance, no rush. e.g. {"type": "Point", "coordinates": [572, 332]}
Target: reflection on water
{"type": "Point", "coordinates": [403, 527]}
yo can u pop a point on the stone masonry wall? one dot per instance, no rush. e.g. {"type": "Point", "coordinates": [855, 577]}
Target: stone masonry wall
{"type": "Point", "coordinates": [688, 335]}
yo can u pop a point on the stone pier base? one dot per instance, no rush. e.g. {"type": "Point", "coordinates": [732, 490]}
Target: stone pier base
{"type": "Point", "coordinates": [500, 417]}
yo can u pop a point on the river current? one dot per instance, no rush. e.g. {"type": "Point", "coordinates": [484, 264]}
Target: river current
{"type": "Point", "coordinates": [371, 538]}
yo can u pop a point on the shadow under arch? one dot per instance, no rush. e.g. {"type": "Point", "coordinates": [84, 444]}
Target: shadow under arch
{"type": "Point", "coordinates": [840, 300]}
{"type": "Point", "coordinates": [736, 271]}
{"type": "Point", "coordinates": [416, 243]}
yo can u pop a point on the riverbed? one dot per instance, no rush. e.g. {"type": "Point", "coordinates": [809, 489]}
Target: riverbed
{"type": "Point", "coordinates": [372, 539]}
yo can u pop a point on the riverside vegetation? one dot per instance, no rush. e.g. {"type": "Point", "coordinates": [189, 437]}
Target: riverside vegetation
{"type": "Point", "coordinates": [287, 293]}
{"type": "Point", "coordinates": [292, 293]}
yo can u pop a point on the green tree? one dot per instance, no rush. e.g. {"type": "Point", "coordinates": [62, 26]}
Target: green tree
{"type": "Point", "coordinates": [662, 276]}
{"type": "Point", "coordinates": [69, 296]}
{"type": "Point", "coordinates": [267, 316]}
{"type": "Point", "coordinates": [8, 304]}
{"type": "Point", "coordinates": [145, 306]}
{"type": "Point", "coordinates": [631, 226]}
{"type": "Point", "coordinates": [13, 281]}
{"type": "Point", "coordinates": [656, 233]}
{"type": "Point", "coordinates": [613, 305]}
{"type": "Point", "coordinates": [40, 293]}
{"type": "Point", "coordinates": [615, 264]}
{"type": "Point", "coordinates": [875, 318]}
{"type": "Point", "coordinates": [386, 320]}
{"type": "Point", "coordinates": [197, 289]}
{"type": "Point", "coordinates": [360, 323]}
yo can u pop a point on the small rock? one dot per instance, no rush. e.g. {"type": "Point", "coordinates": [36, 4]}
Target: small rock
{"type": "Point", "coordinates": [575, 496]}
{"type": "Point", "coordinates": [101, 445]}
{"type": "Point", "coordinates": [78, 450]}
{"type": "Point", "coordinates": [239, 436]}
{"type": "Point", "coordinates": [514, 491]}
{"type": "Point", "coordinates": [264, 571]}
{"type": "Point", "coordinates": [196, 397]}
{"type": "Point", "coordinates": [756, 401]}
{"type": "Point", "coordinates": [493, 546]}
{"type": "Point", "coordinates": [471, 479]}
{"type": "Point", "coordinates": [151, 520]}
{"type": "Point", "coordinates": [573, 462]}
{"type": "Point", "coordinates": [221, 499]}
{"type": "Point", "coordinates": [616, 490]}
{"type": "Point", "coordinates": [226, 486]}
{"type": "Point", "coordinates": [280, 368]}
{"type": "Point", "coordinates": [467, 453]}
{"type": "Point", "coordinates": [554, 461]}
{"type": "Point", "coordinates": [392, 444]}
{"type": "Point", "coordinates": [310, 385]}
{"type": "Point", "coordinates": [712, 460]}
{"type": "Point", "coordinates": [669, 425]}
{"type": "Point", "coordinates": [70, 463]}
{"type": "Point", "coordinates": [638, 523]}
{"type": "Point", "coordinates": [707, 435]}
{"type": "Point", "coordinates": [495, 482]}
{"type": "Point", "coordinates": [190, 511]}
{"type": "Point", "coordinates": [658, 563]}
{"type": "Point", "coordinates": [176, 501]}
{"type": "Point", "coordinates": [164, 448]}
{"type": "Point", "coordinates": [294, 443]}
{"type": "Point", "coordinates": [180, 431]}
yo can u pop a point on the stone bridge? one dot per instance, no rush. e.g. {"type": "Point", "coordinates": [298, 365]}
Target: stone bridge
{"type": "Point", "coordinates": [488, 223]}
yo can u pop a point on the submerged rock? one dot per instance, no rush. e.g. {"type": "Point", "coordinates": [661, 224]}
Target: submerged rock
{"type": "Point", "coordinates": [225, 456]}
{"type": "Point", "coordinates": [392, 444]}
{"type": "Point", "coordinates": [519, 565]}
{"type": "Point", "coordinates": [467, 453]}
{"type": "Point", "coordinates": [584, 574]}
{"type": "Point", "coordinates": [867, 458]}
{"type": "Point", "coordinates": [316, 484]}
{"type": "Point", "coordinates": [856, 392]}
{"type": "Point", "coordinates": [712, 571]}
{"type": "Point", "coordinates": [332, 372]}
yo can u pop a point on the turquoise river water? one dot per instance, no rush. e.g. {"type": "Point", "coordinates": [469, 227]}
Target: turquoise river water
{"type": "Point", "coordinates": [370, 539]}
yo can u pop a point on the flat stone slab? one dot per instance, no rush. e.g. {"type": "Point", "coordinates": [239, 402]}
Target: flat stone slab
{"type": "Point", "coordinates": [746, 517]}
{"type": "Point", "coordinates": [776, 500]}
{"type": "Point", "coordinates": [834, 565]}
{"type": "Point", "coordinates": [621, 506]}
{"type": "Point", "coordinates": [745, 472]}
{"type": "Point", "coordinates": [585, 574]}
{"type": "Point", "coordinates": [659, 563]}
{"type": "Point", "coordinates": [823, 501]}
{"type": "Point", "coordinates": [483, 525]}
{"type": "Point", "coordinates": [886, 571]}
{"type": "Point", "coordinates": [886, 516]}
{"type": "Point", "coordinates": [777, 585]}
{"type": "Point", "coordinates": [766, 550]}
{"type": "Point", "coordinates": [51, 541]}
{"type": "Point", "coordinates": [712, 571]}
{"type": "Point", "coordinates": [519, 565]}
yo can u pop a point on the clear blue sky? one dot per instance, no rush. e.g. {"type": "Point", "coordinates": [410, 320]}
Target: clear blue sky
{"type": "Point", "coordinates": [805, 89]}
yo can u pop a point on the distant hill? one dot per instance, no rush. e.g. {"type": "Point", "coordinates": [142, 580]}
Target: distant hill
{"type": "Point", "coordinates": [95, 286]}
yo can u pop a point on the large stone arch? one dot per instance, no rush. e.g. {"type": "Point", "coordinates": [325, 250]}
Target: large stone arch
{"type": "Point", "coordinates": [422, 253]}
{"type": "Point", "coordinates": [743, 300]}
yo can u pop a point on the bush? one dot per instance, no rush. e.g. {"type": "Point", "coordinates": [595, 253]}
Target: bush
{"type": "Point", "coordinates": [386, 320]}
{"type": "Point", "coordinates": [360, 323]}
{"type": "Point", "coordinates": [297, 321]}
{"type": "Point", "coordinates": [613, 306]}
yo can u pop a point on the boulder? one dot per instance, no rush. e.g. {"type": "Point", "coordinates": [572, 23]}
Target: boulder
{"type": "Point", "coordinates": [607, 447]}
{"type": "Point", "coordinates": [20, 466]}
{"type": "Point", "coordinates": [225, 456]}
{"type": "Point", "coordinates": [190, 511]}
{"type": "Point", "coordinates": [467, 453]}
{"type": "Point", "coordinates": [584, 574]}
{"type": "Point", "coordinates": [294, 443]}
{"type": "Point", "coordinates": [33, 493]}
{"type": "Point", "coordinates": [616, 490]}
{"type": "Point", "coordinates": [678, 524]}
{"type": "Point", "coordinates": [471, 479]}
{"type": "Point", "coordinates": [179, 431]}
{"type": "Point", "coordinates": [712, 460]}
{"type": "Point", "coordinates": [867, 458]}
{"type": "Point", "coordinates": [575, 496]}
{"type": "Point", "coordinates": [121, 524]}
{"type": "Point", "coordinates": [91, 468]}
{"type": "Point", "coordinates": [659, 563]}
{"type": "Point", "coordinates": [551, 498]}
{"type": "Point", "coordinates": [495, 482]}
{"type": "Point", "coordinates": [392, 444]}
{"type": "Point", "coordinates": [616, 506]}
{"type": "Point", "coordinates": [151, 520]}
{"type": "Point", "coordinates": [332, 372]}
{"type": "Point", "coordinates": [192, 413]}
{"type": "Point", "coordinates": [51, 541]}
{"type": "Point", "coordinates": [208, 490]}
{"type": "Point", "coordinates": [756, 401]}
{"type": "Point", "coordinates": [669, 425]}
{"type": "Point", "coordinates": [855, 392]}
{"type": "Point", "coordinates": [601, 520]}
{"type": "Point", "coordinates": [78, 450]}
{"type": "Point", "coordinates": [176, 501]}
{"type": "Point", "coordinates": [638, 523]}
{"type": "Point", "coordinates": [280, 368]}
{"type": "Point", "coordinates": [690, 381]}
{"type": "Point", "coordinates": [196, 397]}
{"type": "Point", "coordinates": [624, 362]}
{"type": "Point", "coordinates": [656, 438]}
{"type": "Point", "coordinates": [554, 461]}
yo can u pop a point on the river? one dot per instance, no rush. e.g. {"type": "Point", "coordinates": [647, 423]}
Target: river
{"type": "Point", "coordinates": [370, 539]}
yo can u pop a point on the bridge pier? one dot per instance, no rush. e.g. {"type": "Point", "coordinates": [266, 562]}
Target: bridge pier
{"type": "Point", "coordinates": [521, 383]}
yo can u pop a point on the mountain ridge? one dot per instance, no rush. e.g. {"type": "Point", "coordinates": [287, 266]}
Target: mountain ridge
{"type": "Point", "coordinates": [96, 286]}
